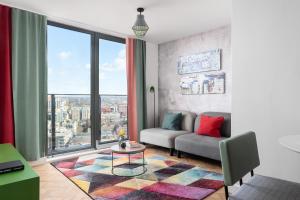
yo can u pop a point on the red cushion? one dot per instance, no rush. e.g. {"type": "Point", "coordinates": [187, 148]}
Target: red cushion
{"type": "Point", "coordinates": [210, 126]}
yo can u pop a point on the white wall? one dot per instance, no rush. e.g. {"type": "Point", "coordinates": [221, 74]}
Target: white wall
{"type": "Point", "coordinates": [151, 80]}
{"type": "Point", "coordinates": [170, 97]}
{"type": "Point", "coordinates": [266, 79]}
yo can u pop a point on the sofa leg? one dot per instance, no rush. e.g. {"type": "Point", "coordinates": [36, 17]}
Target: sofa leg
{"type": "Point", "coordinates": [226, 192]}
{"type": "Point", "coordinates": [178, 154]}
{"type": "Point", "coordinates": [171, 152]}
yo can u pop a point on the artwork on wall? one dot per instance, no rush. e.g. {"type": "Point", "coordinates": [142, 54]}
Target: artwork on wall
{"type": "Point", "coordinates": [212, 83]}
{"type": "Point", "coordinates": [202, 62]}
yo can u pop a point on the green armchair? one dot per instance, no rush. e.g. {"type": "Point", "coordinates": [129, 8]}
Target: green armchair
{"type": "Point", "coordinates": [239, 156]}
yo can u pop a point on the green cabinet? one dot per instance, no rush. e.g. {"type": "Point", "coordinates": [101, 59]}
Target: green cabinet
{"type": "Point", "coordinates": [21, 184]}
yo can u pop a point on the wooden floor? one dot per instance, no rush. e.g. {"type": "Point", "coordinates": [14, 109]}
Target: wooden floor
{"type": "Point", "coordinates": [55, 186]}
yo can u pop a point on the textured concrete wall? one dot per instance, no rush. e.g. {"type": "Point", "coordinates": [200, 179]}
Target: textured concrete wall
{"type": "Point", "coordinates": [168, 80]}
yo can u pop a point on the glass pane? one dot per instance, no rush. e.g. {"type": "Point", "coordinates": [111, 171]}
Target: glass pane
{"type": "Point", "coordinates": [49, 124]}
{"type": "Point", "coordinates": [69, 58]}
{"type": "Point", "coordinates": [112, 88]}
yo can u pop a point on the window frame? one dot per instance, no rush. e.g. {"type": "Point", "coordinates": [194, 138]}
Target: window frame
{"type": "Point", "coordinates": [94, 85]}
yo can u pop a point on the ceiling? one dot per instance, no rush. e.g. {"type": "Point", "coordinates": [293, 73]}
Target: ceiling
{"type": "Point", "coordinates": [168, 19]}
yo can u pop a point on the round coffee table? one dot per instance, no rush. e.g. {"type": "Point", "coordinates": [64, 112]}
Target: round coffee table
{"type": "Point", "coordinates": [129, 151]}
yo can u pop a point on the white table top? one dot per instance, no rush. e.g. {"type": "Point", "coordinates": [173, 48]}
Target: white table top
{"type": "Point", "coordinates": [291, 142]}
{"type": "Point", "coordinates": [128, 150]}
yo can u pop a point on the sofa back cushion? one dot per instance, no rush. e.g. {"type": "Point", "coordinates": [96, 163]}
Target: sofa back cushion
{"type": "Point", "coordinates": [188, 119]}
{"type": "Point", "coordinates": [226, 127]}
{"type": "Point", "coordinates": [172, 121]}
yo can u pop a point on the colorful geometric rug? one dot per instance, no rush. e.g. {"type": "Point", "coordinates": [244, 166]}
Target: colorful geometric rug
{"type": "Point", "coordinates": [165, 179]}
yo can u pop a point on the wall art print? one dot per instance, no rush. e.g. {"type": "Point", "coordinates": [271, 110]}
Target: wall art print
{"type": "Point", "coordinates": [202, 62]}
{"type": "Point", "coordinates": [197, 84]}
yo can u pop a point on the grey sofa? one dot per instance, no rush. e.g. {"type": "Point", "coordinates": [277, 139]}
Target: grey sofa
{"type": "Point", "coordinates": [204, 145]}
{"type": "Point", "coordinates": [186, 140]}
{"type": "Point", "coordinates": [166, 138]}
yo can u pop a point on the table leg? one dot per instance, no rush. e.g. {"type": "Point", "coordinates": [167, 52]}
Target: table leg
{"type": "Point", "coordinates": [143, 159]}
{"type": "Point", "coordinates": [112, 162]}
{"type": "Point", "coordinates": [129, 159]}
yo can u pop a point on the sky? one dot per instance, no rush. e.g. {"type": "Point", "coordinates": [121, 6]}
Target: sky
{"type": "Point", "coordinates": [69, 65]}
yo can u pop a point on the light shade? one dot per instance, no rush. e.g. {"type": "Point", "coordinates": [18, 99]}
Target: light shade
{"type": "Point", "coordinates": [140, 26]}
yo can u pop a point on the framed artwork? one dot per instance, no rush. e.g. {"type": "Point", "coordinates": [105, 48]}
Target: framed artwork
{"type": "Point", "coordinates": [198, 84]}
{"type": "Point", "coordinates": [203, 62]}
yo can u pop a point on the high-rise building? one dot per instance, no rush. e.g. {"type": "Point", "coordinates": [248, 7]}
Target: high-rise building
{"type": "Point", "coordinates": [58, 102]}
{"type": "Point", "coordinates": [76, 113]}
{"type": "Point", "coordinates": [122, 108]}
{"type": "Point", "coordinates": [85, 113]}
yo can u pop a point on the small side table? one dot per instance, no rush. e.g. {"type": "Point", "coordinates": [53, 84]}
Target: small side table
{"type": "Point", "coordinates": [292, 142]}
{"type": "Point", "coordinates": [129, 151]}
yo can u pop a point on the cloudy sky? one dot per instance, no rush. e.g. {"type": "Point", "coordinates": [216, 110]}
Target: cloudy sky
{"type": "Point", "coordinates": [69, 64]}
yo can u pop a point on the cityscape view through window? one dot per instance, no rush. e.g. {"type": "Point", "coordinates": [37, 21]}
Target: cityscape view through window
{"type": "Point", "coordinates": [70, 98]}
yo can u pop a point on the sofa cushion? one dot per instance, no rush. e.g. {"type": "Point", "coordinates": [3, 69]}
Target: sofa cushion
{"type": "Point", "coordinates": [172, 121]}
{"type": "Point", "coordinates": [210, 126]}
{"type": "Point", "coordinates": [188, 119]}
{"type": "Point", "coordinates": [199, 145]}
{"type": "Point", "coordinates": [160, 137]}
{"type": "Point", "coordinates": [226, 127]}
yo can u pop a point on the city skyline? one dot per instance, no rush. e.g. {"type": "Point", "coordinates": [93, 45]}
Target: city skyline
{"type": "Point", "coordinates": [73, 123]}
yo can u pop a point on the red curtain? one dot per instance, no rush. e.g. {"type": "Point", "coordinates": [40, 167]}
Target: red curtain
{"type": "Point", "coordinates": [131, 91]}
{"type": "Point", "coordinates": [6, 100]}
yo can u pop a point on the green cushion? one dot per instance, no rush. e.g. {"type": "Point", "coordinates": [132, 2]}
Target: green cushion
{"type": "Point", "coordinates": [172, 121]}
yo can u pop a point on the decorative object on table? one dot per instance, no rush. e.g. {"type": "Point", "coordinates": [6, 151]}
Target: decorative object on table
{"type": "Point", "coordinates": [212, 83]}
{"type": "Point", "coordinates": [165, 178]}
{"type": "Point", "coordinates": [202, 62]}
{"type": "Point", "coordinates": [11, 166]}
{"type": "Point", "coordinates": [152, 91]}
{"type": "Point", "coordinates": [140, 26]}
{"type": "Point", "coordinates": [122, 139]}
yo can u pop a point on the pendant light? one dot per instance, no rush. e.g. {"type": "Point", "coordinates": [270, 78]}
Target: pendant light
{"type": "Point", "coordinates": [140, 26]}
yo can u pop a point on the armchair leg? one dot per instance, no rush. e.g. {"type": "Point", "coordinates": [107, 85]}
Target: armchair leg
{"type": "Point", "coordinates": [241, 182]}
{"type": "Point", "coordinates": [178, 154]}
{"type": "Point", "coordinates": [226, 192]}
{"type": "Point", "coordinates": [171, 152]}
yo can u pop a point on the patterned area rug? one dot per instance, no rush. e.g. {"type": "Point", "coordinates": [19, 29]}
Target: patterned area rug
{"type": "Point", "coordinates": [165, 178]}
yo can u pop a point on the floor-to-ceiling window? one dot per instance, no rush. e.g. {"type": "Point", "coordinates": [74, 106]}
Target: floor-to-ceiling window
{"type": "Point", "coordinates": [112, 88]}
{"type": "Point", "coordinates": [87, 90]}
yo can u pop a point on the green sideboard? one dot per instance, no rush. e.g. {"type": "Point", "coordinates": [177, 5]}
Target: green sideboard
{"type": "Point", "coordinates": [20, 184]}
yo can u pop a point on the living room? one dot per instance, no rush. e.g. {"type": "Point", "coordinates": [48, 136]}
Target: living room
{"type": "Point", "coordinates": [149, 99]}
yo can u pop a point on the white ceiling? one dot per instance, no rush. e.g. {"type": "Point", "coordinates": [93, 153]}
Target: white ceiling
{"type": "Point", "coordinates": [167, 19]}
